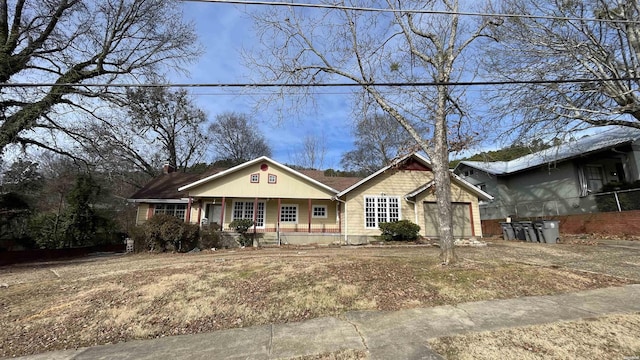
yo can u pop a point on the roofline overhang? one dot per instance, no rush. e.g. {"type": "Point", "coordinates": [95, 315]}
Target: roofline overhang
{"type": "Point", "coordinates": [160, 201]}
{"type": "Point", "coordinates": [251, 162]}
{"type": "Point", "coordinates": [354, 186]}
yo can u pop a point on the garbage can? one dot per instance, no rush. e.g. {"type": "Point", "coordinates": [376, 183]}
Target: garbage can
{"type": "Point", "coordinates": [548, 230]}
{"type": "Point", "coordinates": [518, 230]}
{"type": "Point", "coordinates": [529, 231]}
{"type": "Point", "coordinates": [507, 231]}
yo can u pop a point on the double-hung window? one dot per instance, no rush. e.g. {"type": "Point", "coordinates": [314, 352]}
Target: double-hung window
{"type": "Point", "coordinates": [177, 210]}
{"type": "Point", "coordinates": [244, 210]}
{"type": "Point", "coordinates": [379, 209]}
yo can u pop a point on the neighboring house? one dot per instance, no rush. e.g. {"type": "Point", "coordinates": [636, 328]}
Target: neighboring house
{"type": "Point", "coordinates": [307, 207]}
{"type": "Point", "coordinates": [561, 180]}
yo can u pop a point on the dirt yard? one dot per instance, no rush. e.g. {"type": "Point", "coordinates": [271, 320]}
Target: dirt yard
{"type": "Point", "coordinates": [107, 299]}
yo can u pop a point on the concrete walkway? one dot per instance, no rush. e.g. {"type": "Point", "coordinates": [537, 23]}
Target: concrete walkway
{"type": "Point", "coordinates": [384, 335]}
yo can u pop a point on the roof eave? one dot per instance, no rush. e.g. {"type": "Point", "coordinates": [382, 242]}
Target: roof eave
{"type": "Point", "coordinates": [356, 185]}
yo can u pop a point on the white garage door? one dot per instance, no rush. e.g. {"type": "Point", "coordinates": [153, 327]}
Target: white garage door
{"type": "Point", "coordinates": [462, 227]}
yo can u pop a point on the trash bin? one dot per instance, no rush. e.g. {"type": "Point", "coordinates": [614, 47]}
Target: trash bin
{"type": "Point", "coordinates": [529, 231]}
{"type": "Point", "coordinates": [507, 231]}
{"type": "Point", "coordinates": [518, 230]}
{"type": "Point", "coordinates": [548, 230]}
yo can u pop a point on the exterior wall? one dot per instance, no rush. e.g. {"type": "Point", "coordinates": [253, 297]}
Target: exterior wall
{"type": "Point", "coordinates": [392, 183]}
{"type": "Point", "coordinates": [141, 215]}
{"type": "Point", "coordinates": [328, 224]}
{"type": "Point", "coordinates": [238, 184]}
{"type": "Point", "coordinates": [399, 183]}
{"type": "Point", "coordinates": [542, 191]}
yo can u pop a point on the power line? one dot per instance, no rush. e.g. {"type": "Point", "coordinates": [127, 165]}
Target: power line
{"type": "Point", "coordinates": [320, 85]}
{"type": "Point", "coordinates": [414, 11]}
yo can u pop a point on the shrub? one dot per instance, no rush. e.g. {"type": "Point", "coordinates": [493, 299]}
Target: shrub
{"type": "Point", "coordinates": [402, 230]}
{"type": "Point", "coordinates": [210, 237]}
{"type": "Point", "coordinates": [168, 233]}
{"type": "Point", "coordinates": [241, 226]}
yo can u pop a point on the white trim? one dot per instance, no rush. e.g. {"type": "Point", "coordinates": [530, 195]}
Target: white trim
{"type": "Point", "coordinates": [376, 206]}
{"type": "Point", "coordinates": [252, 162]}
{"type": "Point", "coordinates": [471, 187]}
{"type": "Point", "coordinates": [297, 213]}
{"type": "Point", "coordinates": [159, 201]}
{"type": "Point", "coordinates": [264, 206]}
{"type": "Point", "coordinates": [326, 211]}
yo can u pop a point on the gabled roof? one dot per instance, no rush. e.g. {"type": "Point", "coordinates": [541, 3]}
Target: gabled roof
{"type": "Point", "coordinates": [456, 179]}
{"type": "Point", "coordinates": [165, 187]}
{"type": "Point", "coordinates": [250, 163]}
{"type": "Point", "coordinates": [612, 137]}
{"type": "Point", "coordinates": [417, 157]}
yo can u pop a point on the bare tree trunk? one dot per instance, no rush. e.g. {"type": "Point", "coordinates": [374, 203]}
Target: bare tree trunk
{"type": "Point", "coordinates": [440, 161]}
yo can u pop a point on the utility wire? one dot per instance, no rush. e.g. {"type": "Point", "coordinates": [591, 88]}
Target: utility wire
{"type": "Point", "coordinates": [304, 85]}
{"type": "Point", "coordinates": [414, 11]}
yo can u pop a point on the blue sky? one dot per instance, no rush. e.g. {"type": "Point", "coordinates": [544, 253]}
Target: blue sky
{"type": "Point", "coordinates": [224, 30]}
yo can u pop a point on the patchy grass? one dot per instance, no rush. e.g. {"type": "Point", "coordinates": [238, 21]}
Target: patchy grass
{"type": "Point", "coordinates": [62, 305]}
{"type": "Point", "coordinates": [610, 337]}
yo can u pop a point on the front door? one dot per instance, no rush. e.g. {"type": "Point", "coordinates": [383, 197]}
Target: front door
{"type": "Point", "coordinates": [213, 213]}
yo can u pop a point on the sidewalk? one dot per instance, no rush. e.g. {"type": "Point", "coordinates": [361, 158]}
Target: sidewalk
{"type": "Point", "coordinates": [384, 335]}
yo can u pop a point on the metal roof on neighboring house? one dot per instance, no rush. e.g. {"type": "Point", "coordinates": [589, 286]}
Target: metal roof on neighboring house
{"type": "Point", "coordinates": [613, 136]}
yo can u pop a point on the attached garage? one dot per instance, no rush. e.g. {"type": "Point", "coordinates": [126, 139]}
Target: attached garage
{"type": "Point", "coordinates": [462, 214]}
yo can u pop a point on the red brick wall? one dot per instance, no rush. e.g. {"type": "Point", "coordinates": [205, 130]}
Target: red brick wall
{"type": "Point", "coordinates": [608, 223]}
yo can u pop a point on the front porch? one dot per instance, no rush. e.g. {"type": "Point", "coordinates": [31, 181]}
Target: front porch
{"type": "Point", "coordinates": [275, 220]}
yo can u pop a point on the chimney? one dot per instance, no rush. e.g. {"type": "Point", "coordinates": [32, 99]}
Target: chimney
{"type": "Point", "coordinates": [167, 168]}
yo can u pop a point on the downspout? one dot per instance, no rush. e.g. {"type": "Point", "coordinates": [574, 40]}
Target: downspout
{"type": "Point", "coordinates": [346, 214]}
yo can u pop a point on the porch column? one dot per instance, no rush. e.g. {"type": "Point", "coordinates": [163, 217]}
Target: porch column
{"type": "Point", "coordinates": [188, 220]}
{"type": "Point", "coordinates": [309, 214]}
{"type": "Point", "coordinates": [339, 210]}
{"type": "Point", "coordinates": [278, 221]}
{"type": "Point", "coordinates": [255, 215]}
{"type": "Point", "coordinates": [200, 211]}
{"type": "Point", "coordinates": [222, 213]}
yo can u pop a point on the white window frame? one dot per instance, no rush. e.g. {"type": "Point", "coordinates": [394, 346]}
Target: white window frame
{"type": "Point", "coordinates": [598, 170]}
{"type": "Point", "coordinates": [313, 211]}
{"type": "Point", "coordinates": [247, 211]}
{"type": "Point", "coordinates": [256, 177]}
{"type": "Point", "coordinates": [378, 209]}
{"type": "Point", "coordinates": [291, 206]}
{"type": "Point", "coordinates": [274, 177]}
{"type": "Point", "coordinates": [171, 209]}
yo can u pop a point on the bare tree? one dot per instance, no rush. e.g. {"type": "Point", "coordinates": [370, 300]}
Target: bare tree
{"type": "Point", "coordinates": [156, 125]}
{"type": "Point", "coordinates": [312, 153]}
{"type": "Point", "coordinates": [379, 139]}
{"type": "Point", "coordinates": [71, 42]}
{"type": "Point", "coordinates": [568, 44]}
{"type": "Point", "coordinates": [305, 46]}
{"type": "Point", "coordinates": [234, 139]}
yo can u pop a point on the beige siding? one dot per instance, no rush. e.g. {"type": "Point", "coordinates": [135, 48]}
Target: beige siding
{"type": "Point", "coordinates": [392, 183]}
{"type": "Point", "coordinates": [141, 216]}
{"type": "Point", "coordinates": [195, 207]}
{"type": "Point", "coordinates": [271, 213]}
{"type": "Point", "coordinates": [399, 183]}
{"type": "Point", "coordinates": [238, 184]}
